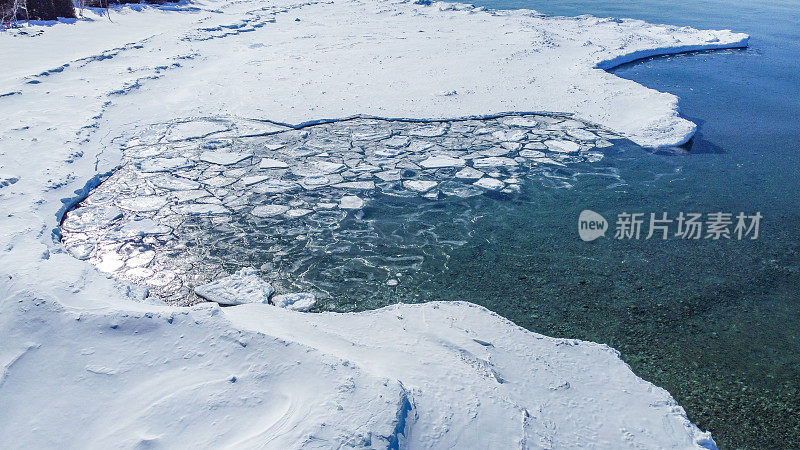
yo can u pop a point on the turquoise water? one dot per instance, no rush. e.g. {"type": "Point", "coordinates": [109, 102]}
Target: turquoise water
{"type": "Point", "coordinates": [716, 323]}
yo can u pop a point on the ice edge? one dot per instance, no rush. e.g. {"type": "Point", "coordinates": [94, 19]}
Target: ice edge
{"type": "Point", "coordinates": [680, 139]}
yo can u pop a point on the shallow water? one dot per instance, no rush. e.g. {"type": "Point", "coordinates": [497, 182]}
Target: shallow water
{"type": "Point", "coordinates": [716, 323]}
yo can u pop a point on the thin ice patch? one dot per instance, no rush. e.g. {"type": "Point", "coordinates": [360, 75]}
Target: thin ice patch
{"type": "Point", "coordinates": [192, 205]}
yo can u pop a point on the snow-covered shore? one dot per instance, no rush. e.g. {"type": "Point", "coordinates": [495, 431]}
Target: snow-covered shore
{"type": "Point", "coordinates": [436, 375]}
{"type": "Point", "coordinates": [85, 364]}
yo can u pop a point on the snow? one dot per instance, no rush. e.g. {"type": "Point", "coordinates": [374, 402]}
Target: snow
{"type": "Point", "coordinates": [510, 136]}
{"type": "Point", "coordinates": [429, 131]}
{"type": "Point", "coordinates": [356, 185]}
{"type": "Point", "coordinates": [194, 129]}
{"type": "Point", "coordinates": [256, 375]}
{"type": "Point", "coordinates": [397, 141]}
{"type": "Point", "coordinates": [220, 181]}
{"type": "Point", "coordinates": [531, 154]}
{"type": "Point", "coordinates": [7, 180]}
{"type": "Point", "coordinates": [244, 286]}
{"type": "Point", "coordinates": [255, 179]}
{"type": "Point", "coordinates": [520, 122]}
{"type": "Point", "coordinates": [389, 175]}
{"type": "Point", "coordinates": [174, 183]}
{"type": "Point", "coordinates": [298, 301]}
{"type": "Point", "coordinates": [273, 185]}
{"type": "Point", "coordinates": [131, 371]}
{"type": "Point", "coordinates": [317, 168]}
{"type": "Point", "coordinates": [80, 250]}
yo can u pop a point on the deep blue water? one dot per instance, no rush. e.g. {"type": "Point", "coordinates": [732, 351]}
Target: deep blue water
{"type": "Point", "coordinates": [717, 324]}
{"type": "Point", "coordinates": [747, 102]}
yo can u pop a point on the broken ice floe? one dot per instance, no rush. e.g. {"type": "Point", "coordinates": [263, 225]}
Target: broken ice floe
{"type": "Point", "coordinates": [299, 301]}
{"type": "Point", "coordinates": [245, 286]}
{"type": "Point", "coordinates": [196, 200]}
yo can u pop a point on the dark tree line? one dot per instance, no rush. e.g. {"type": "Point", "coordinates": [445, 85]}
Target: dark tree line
{"type": "Point", "coordinates": [18, 10]}
{"type": "Point", "coordinates": [22, 10]}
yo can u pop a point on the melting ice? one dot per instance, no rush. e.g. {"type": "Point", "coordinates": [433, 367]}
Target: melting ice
{"type": "Point", "coordinates": [187, 209]}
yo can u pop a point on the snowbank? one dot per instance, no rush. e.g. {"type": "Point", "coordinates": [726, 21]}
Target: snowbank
{"type": "Point", "coordinates": [436, 375]}
{"type": "Point", "coordinates": [86, 364]}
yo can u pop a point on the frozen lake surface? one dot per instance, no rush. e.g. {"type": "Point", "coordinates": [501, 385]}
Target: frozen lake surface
{"type": "Point", "coordinates": [344, 209]}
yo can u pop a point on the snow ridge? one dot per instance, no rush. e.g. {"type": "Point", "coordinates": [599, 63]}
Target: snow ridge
{"type": "Point", "coordinates": [644, 54]}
